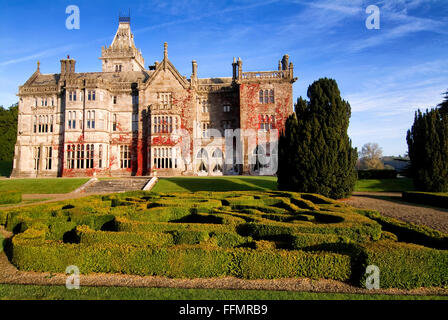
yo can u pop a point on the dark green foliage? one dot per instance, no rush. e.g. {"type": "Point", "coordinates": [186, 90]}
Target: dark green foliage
{"type": "Point", "coordinates": [443, 107]}
{"type": "Point", "coordinates": [377, 174]}
{"type": "Point", "coordinates": [407, 266]}
{"type": "Point", "coordinates": [10, 197]}
{"type": "Point", "coordinates": [428, 150]}
{"type": "Point", "coordinates": [315, 152]}
{"type": "Point", "coordinates": [432, 199]}
{"type": "Point", "coordinates": [8, 131]}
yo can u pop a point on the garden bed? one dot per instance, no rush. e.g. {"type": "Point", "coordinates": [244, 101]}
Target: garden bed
{"type": "Point", "coordinates": [249, 235]}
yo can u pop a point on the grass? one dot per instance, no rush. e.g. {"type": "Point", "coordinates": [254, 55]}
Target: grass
{"type": "Point", "coordinates": [5, 168]}
{"type": "Point", "coordinates": [42, 186]}
{"type": "Point", "coordinates": [385, 185]}
{"type": "Point", "coordinates": [26, 292]}
{"type": "Point", "coordinates": [195, 184]}
{"type": "Point", "coordinates": [240, 183]}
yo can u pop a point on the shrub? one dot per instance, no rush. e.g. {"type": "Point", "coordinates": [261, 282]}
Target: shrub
{"type": "Point", "coordinates": [148, 239]}
{"type": "Point", "coordinates": [409, 232]}
{"type": "Point", "coordinates": [432, 199]}
{"type": "Point", "coordinates": [10, 197]}
{"type": "Point", "coordinates": [407, 266]}
{"type": "Point", "coordinates": [2, 240]}
{"type": "Point", "coordinates": [377, 174]}
{"type": "Point", "coordinates": [33, 254]}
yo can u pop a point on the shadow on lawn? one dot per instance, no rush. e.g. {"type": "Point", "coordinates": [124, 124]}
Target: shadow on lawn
{"type": "Point", "coordinates": [225, 184]}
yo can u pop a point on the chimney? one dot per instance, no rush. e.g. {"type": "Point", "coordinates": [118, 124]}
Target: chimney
{"type": "Point", "coordinates": [194, 66]}
{"type": "Point", "coordinates": [240, 68]}
{"type": "Point", "coordinates": [234, 68]}
{"type": "Point", "coordinates": [285, 62]}
{"type": "Point", "coordinates": [68, 66]}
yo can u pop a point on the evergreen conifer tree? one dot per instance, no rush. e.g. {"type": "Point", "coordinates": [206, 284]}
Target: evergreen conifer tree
{"type": "Point", "coordinates": [315, 152]}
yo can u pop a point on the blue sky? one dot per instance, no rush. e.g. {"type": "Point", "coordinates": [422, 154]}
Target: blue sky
{"type": "Point", "coordinates": [385, 74]}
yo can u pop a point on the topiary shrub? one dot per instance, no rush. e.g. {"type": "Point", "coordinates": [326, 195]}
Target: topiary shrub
{"type": "Point", "coordinates": [10, 197]}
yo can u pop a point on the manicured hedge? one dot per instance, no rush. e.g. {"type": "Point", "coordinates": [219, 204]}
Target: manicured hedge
{"type": "Point", "coordinates": [33, 253]}
{"type": "Point", "coordinates": [148, 239]}
{"type": "Point", "coordinates": [377, 174]}
{"type": "Point", "coordinates": [407, 266]}
{"type": "Point", "coordinates": [432, 199]}
{"type": "Point", "coordinates": [10, 197]}
{"type": "Point", "coordinates": [409, 232]}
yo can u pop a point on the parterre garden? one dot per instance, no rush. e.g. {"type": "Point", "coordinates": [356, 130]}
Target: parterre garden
{"type": "Point", "coordinates": [251, 235]}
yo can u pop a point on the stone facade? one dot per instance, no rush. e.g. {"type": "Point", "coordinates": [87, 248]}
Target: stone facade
{"type": "Point", "coordinates": [129, 120]}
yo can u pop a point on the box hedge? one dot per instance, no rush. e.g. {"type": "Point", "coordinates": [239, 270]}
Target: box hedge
{"type": "Point", "coordinates": [32, 253]}
{"type": "Point", "coordinates": [407, 266]}
{"type": "Point", "coordinates": [428, 198]}
{"type": "Point", "coordinates": [10, 197]}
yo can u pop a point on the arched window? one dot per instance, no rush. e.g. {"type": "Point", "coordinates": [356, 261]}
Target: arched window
{"type": "Point", "coordinates": [217, 168]}
{"type": "Point", "coordinates": [202, 154]}
{"type": "Point", "coordinates": [217, 154]}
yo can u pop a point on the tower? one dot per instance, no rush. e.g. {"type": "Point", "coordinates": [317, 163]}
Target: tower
{"type": "Point", "coordinates": [122, 55]}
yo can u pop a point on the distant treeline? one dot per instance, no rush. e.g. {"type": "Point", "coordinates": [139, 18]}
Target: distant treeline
{"type": "Point", "coordinates": [8, 132]}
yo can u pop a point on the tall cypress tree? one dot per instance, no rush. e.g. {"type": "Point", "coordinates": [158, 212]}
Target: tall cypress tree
{"type": "Point", "coordinates": [428, 150]}
{"type": "Point", "coordinates": [315, 152]}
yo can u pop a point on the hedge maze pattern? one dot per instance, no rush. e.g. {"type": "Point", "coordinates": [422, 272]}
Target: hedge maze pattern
{"type": "Point", "coordinates": [248, 235]}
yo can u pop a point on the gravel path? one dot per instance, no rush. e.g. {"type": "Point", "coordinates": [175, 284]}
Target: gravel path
{"type": "Point", "coordinates": [391, 205]}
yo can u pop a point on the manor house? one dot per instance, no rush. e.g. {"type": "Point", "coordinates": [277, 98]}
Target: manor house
{"type": "Point", "coordinates": [137, 120]}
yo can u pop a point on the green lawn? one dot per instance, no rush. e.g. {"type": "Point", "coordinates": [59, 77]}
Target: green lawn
{"type": "Point", "coordinates": [21, 292]}
{"type": "Point", "coordinates": [42, 186]}
{"type": "Point", "coordinates": [385, 185]}
{"type": "Point", "coordinates": [194, 184]}
{"type": "Point", "coordinates": [5, 168]}
{"type": "Point", "coordinates": [247, 183]}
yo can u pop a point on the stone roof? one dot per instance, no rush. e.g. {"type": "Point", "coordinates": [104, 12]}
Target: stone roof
{"type": "Point", "coordinates": [53, 79]}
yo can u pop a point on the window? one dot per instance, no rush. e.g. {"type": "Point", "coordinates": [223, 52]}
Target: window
{"type": "Point", "coordinates": [125, 157]}
{"type": "Point", "coordinates": [71, 153]}
{"type": "Point", "coordinates": [217, 154]}
{"type": "Point", "coordinates": [100, 156]}
{"type": "Point", "coordinates": [226, 108]}
{"type": "Point", "coordinates": [72, 119]}
{"type": "Point", "coordinates": [164, 158]}
{"type": "Point", "coordinates": [266, 96]}
{"type": "Point", "coordinates": [205, 107]}
{"type": "Point", "coordinates": [91, 95]}
{"type": "Point", "coordinates": [165, 100]}
{"type": "Point", "coordinates": [89, 156]}
{"type": "Point", "coordinates": [114, 122]}
{"type": "Point", "coordinates": [118, 68]}
{"type": "Point", "coordinates": [51, 124]}
{"type": "Point", "coordinates": [134, 99]}
{"type": "Point", "coordinates": [91, 119]}
{"type": "Point", "coordinates": [115, 99]}
{"type": "Point", "coordinates": [164, 124]}
{"type": "Point", "coordinates": [227, 124]}
{"type": "Point", "coordinates": [35, 124]}
{"type": "Point", "coordinates": [48, 159]}
{"type": "Point", "coordinates": [267, 123]}
{"type": "Point", "coordinates": [36, 156]}
{"type": "Point", "coordinates": [205, 131]}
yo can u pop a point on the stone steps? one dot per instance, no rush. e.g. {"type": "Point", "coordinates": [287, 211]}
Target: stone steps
{"type": "Point", "coordinates": [117, 185]}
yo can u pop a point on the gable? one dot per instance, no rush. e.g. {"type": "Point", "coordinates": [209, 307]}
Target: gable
{"type": "Point", "coordinates": [167, 76]}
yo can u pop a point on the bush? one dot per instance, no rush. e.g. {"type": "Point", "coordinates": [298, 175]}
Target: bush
{"type": "Point", "coordinates": [148, 239]}
{"type": "Point", "coordinates": [407, 266]}
{"type": "Point", "coordinates": [377, 174]}
{"type": "Point", "coordinates": [31, 253]}
{"type": "Point", "coordinates": [409, 232]}
{"type": "Point", "coordinates": [432, 199]}
{"type": "Point", "coordinates": [10, 197]}
{"type": "Point", "coordinates": [2, 240]}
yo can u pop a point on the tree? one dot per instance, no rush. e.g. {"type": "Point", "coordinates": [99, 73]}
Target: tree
{"type": "Point", "coordinates": [428, 150]}
{"type": "Point", "coordinates": [315, 152]}
{"type": "Point", "coordinates": [444, 105]}
{"type": "Point", "coordinates": [370, 157]}
{"type": "Point", "coordinates": [8, 132]}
